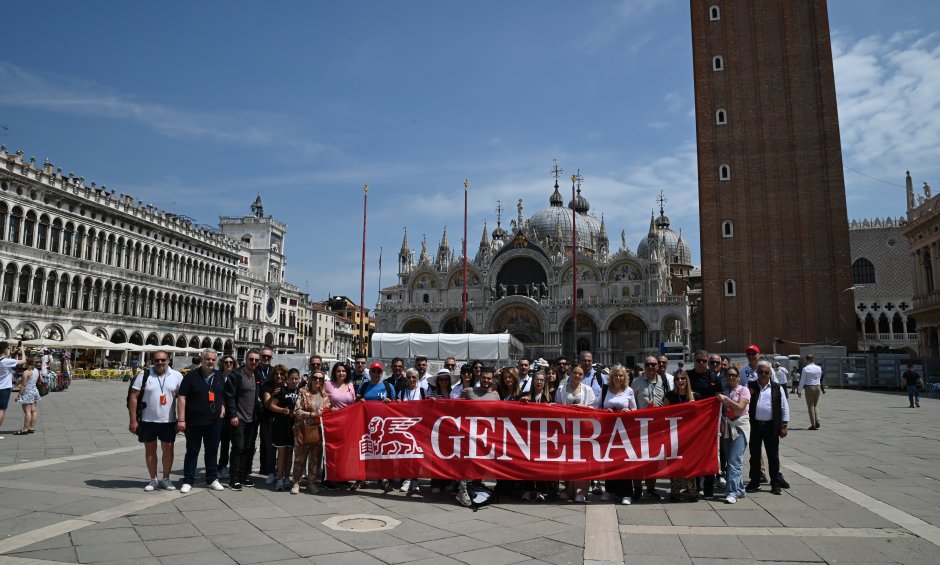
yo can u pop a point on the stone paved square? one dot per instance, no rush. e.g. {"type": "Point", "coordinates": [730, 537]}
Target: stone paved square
{"type": "Point", "coordinates": [823, 518]}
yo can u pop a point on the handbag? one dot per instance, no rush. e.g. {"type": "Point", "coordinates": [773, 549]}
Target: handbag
{"type": "Point", "coordinates": [307, 434]}
{"type": "Point", "coordinates": [42, 387]}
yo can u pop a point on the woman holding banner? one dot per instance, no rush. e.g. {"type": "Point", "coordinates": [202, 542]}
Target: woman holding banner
{"type": "Point", "coordinates": [617, 396]}
{"type": "Point", "coordinates": [735, 429]}
{"type": "Point", "coordinates": [339, 388]}
{"type": "Point", "coordinates": [508, 385]}
{"type": "Point", "coordinates": [682, 393]}
{"type": "Point", "coordinates": [574, 393]}
{"type": "Point", "coordinates": [312, 402]}
{"type": "Point", "coordinates": [466, 381]}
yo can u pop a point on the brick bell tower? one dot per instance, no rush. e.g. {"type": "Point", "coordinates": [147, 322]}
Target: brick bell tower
{"type": "Point", "coordinates": [774, 230]}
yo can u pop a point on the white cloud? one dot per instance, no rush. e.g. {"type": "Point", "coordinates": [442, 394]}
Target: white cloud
{"type": "Point", "coordinates": [75, 96]}
{"type": "Point", "coordinates": [889, 108]}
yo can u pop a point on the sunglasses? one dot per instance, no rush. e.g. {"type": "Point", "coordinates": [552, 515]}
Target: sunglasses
{"type": "Point", "coordinates": [265, 356]}
{"type": "Point", "coordinates": [319, 379]}
{"type": "Point", "coordinates": [228, 362]}
{"type": "Point", "coordinates": [159, 360]}
{"type": "Point", "coordinates": [252, 360]}
{"type": "Point", "coordinates": [714, 362]}
{"type": "Point", "coordinates": [701, 360]}
{"type": "Point", "coordinates": [763, 372]}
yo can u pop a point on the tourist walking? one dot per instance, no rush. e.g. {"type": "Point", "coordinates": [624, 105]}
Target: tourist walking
{"type": "Point", "coordinates": [7, 365]}
{"type": "Point", "coordinates": [913, 383]}
{"type": "Point", "coordinates": [811, 384]}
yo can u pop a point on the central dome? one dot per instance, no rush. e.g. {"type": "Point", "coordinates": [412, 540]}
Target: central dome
{"type": "Point", "coordinates": [555, 222]}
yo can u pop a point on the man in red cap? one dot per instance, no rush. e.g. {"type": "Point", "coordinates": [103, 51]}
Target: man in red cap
{"type": "Point", "coordinates": [749, 371]}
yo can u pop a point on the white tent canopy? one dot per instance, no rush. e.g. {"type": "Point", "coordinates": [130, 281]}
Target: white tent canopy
{"type": "Point", "coordinates": [495, 347]}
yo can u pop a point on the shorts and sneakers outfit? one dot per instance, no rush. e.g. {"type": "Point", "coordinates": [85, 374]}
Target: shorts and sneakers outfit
{"type": "Point", "coordinates": [158, 418]}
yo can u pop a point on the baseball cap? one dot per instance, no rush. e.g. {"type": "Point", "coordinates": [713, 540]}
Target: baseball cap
{"type": "Point", "coordinates": [376, 365]}
{"type": "Point", "coordinates": [753, 348]}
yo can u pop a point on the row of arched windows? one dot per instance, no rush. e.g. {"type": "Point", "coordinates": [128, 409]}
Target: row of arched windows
{"type": "Point", "coordinates": [28, 228]}
{"type": "Point", "coordinates": [27, 285]}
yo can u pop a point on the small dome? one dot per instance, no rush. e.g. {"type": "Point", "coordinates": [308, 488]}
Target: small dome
{"type": "Point", "coordinates": [556, 199]}
{"type": "Point", "coordinates": [677, 250]}
{"type": "Point", "coordinates": [499, 232]}
{"type": "Point", "coordinates": [579, 204]}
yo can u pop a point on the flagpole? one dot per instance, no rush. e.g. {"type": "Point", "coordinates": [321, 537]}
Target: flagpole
{"type": "Point", "coordinates": [466, 187]}
{"type": "Point", "coordinates": [362, 280]}
{"type": "Point", "coordinates": [380, 273]}
{"type": "Point", "coordinates": [574, 265]}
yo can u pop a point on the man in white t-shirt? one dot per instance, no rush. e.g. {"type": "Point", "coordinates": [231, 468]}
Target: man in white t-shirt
{"type": "Point", "coordinates": [158, 417]}
{"type": "Point", "coordinates": [7, 365]}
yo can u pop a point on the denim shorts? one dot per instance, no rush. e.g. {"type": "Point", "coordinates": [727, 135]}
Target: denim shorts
{"type": "Point", "coordinates": [151, 431]}
{"type": "Point", "coordinates": [5, 398]}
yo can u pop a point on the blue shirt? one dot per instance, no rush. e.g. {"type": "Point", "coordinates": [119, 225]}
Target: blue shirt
{"type": "Point", "coordinates": [378, 391]}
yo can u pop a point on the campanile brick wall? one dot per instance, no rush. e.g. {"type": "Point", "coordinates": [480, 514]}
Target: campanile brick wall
{"type": "Point", "coordinates": [789, 256]}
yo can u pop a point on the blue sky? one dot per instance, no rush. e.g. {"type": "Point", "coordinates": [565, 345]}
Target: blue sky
{"type": "Point", "coordinates": [198, 106]}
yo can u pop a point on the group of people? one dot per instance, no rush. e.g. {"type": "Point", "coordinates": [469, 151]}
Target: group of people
{"type": "Point", "coordinates": [228, 412]}
{"type": "Point", "coordinates": [28, 393]}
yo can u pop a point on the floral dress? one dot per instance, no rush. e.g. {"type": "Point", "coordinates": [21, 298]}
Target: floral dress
{"type": "Point", "coordinates": [29, 394]}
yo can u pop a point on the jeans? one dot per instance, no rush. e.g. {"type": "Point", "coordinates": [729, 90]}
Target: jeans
{"type": "Point", "coordinates": [913, 395]}
{"type": "Point", "coordinates": [243, 438]}
{"type": "Point", "coordinates": [735, 454]}
{"type": "Point", "coordinates": [208, 437]}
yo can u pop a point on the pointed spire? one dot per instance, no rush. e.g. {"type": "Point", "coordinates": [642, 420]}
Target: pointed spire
{"type": "Point", "coordinates": [404, 242]}
{"type": "Point", "coordinates": [603, 234]}
{"type": "Point", "coordinates": [444, 243]}
{"type": "Point", "coordinates": [652, 232]}
{"type": "Point", "coordinates": [485, 240]}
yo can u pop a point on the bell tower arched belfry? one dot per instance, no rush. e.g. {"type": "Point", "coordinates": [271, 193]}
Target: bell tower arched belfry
{"type": "Point", "coordinates": [770, 164]}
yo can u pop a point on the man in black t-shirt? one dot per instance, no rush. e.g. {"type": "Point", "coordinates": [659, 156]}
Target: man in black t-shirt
{"type": "Point", "coordinates": [911, 380]}
{"type": "Point", "coordinates": [200, 407]}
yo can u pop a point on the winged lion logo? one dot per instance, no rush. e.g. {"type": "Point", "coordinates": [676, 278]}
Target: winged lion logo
{"type": "Point", "coordinates": [389, 438]}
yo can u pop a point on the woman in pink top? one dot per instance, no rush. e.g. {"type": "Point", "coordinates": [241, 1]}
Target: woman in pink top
{"type": "Point", "coordinates": [735, 429]}
{"type": "Point", "coordinates": [338, 388]}
{"type": "Point", "coordinates": [342, 393]}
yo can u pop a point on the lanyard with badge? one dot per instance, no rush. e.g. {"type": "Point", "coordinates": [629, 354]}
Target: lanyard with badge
{"type": "Point", "coordinates": [210, 380]}
{"type": "Point", "coordinates": [162, 381]}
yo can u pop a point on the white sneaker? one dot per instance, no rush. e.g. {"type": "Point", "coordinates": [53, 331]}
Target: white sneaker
{"type": "Point", "coordinates": [270, 480]}
{"type": "Point", "coordinates": [626, 500]}
{"type": "Point", "coordinates": [722, 482]}
{"type": "Point", "coordinates": [216, 485]}
{"type": "Point", "coordinates": [152, 485]}
{"type": "Point", "coordinates": [167, 484]}
{"type": "Point", "coordinates": [186, 488]}
{"type": "Point", "coordinates": [223, 473]}
{"type": "Point", "coordinates": [295, 489]}
{"type": "Point", "coordinates": [464, 498]}
{"type": "Point", "coordinates": [731, 499]}
{"type": "Point", "coordinates": [405, 485]}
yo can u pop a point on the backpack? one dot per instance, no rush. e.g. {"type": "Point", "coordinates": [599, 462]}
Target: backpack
{"type": "Point", "coordinates": [401, 394]}
{"type": "Point", "coordinates": [130, 391]}
{"type": "Point", "coordinates": [603, 396]}
{"type": "Point", "coordinates": [481, 495]}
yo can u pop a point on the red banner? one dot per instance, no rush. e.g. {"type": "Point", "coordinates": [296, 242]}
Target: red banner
{"type": "Point", "coordinates": [463, 439]}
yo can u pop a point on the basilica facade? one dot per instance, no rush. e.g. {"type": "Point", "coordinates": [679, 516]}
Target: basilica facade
{"type": "Point", "coordinates": [522, 281]}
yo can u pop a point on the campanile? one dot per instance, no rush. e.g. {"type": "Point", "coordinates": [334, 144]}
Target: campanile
{"type": "Point", "coordinates": [774, 230]}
